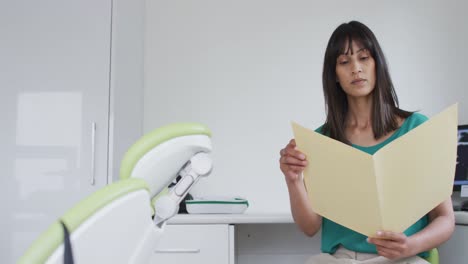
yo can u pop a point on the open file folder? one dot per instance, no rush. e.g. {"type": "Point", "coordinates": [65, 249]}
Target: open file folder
{"type": "Point", "coordinates": [389, 190]}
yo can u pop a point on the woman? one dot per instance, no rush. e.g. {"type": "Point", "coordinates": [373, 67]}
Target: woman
{"type": "Point", "coordinates": [362, 111]}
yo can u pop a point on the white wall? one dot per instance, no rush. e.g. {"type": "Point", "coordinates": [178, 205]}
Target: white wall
{"type": "Point", "coordinates": [247, 68]}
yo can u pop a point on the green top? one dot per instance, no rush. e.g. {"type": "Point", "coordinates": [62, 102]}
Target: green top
{"type": "Point", "coordinates": [334, 234]}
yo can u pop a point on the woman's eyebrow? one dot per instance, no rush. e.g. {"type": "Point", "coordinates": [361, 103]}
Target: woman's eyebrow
{"type": "Point", "coordinates": [347, 53]}
{"type": "Point", "coordinates": [361, 49]}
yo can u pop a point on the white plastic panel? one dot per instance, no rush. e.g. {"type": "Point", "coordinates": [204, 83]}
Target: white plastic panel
{"type": "Point", "coordinates": [113, 234]}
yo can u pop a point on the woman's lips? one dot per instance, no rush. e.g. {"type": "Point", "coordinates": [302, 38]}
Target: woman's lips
{"type": "Point", "coordinates": [358, 81]}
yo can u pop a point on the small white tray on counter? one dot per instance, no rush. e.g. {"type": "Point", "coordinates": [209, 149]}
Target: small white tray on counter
{"type": "Point", "coordinates": [217, 205]}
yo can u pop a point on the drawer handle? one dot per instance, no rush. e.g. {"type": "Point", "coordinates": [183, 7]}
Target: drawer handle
{"type": "Point", "coordinates": [178, 250]}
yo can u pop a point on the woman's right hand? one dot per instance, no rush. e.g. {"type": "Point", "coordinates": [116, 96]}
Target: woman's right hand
{"type": "Point", "coordinates": [292, 162]}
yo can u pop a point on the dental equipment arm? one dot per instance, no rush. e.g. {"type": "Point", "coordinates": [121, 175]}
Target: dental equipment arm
{"type": "Point", "coordinates": [167, 206]}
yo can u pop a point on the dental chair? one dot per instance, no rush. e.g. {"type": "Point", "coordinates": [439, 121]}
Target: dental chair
{"type": "Point", "coordinates": [121, 223]}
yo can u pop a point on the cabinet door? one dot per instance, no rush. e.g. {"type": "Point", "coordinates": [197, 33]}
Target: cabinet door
{"type": "Point", "coordinates": [195, 244]}
{"type": "Point", "coordinates": [454, 250]}
{"type": "Point", "coordinates": [54, 107]}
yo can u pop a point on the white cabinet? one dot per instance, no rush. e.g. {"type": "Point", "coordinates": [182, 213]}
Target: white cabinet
{"type": "Point", "coordinates": [196, 244]}
{"type": "Point", "coordinates": [455, 249]}
{"type": "Point", "coordinates": [54, 107]}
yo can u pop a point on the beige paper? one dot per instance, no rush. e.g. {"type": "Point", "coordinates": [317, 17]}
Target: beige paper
{"type": "Point", "coordinates": [389, 190]}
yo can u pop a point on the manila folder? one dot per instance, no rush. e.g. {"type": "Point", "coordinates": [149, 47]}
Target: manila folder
{"type": "Point", "coordinates": [389, 190]}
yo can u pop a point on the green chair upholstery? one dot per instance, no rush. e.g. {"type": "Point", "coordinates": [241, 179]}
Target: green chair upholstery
{"type": "Point", "coordinates": [154, 138]}
{"type": "Point", "coordinates": [433, 257]}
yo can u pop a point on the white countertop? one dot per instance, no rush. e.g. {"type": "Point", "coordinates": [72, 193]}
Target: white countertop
{"type": "Point", "coordinates": [461, 218]}
{"type": "Point", "coordinates": [231, 219]}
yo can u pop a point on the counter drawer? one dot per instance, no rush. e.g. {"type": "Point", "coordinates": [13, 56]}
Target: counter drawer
{"type": "Point", "coordinates": [193, 244]}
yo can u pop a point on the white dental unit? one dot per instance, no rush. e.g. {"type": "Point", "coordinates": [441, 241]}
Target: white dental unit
{"type": "Point", "coordinates": [122, 222]}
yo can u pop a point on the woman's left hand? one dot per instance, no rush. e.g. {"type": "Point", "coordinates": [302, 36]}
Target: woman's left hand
{"type": "Point", "coordinates": [392, 245]}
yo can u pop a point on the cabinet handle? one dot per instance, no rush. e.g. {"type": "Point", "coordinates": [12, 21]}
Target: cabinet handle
{"type": "Point", "coordinates": [177, 250]}
{"type": "Point", "coordinates": [93, 151]}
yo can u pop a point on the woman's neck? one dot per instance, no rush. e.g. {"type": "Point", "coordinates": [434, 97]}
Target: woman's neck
{"type": "Point", "coordinates": [359, 113]}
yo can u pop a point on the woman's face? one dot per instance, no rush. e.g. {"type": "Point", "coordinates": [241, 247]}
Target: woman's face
{"type": "Point", "coordinates": [355, 71]}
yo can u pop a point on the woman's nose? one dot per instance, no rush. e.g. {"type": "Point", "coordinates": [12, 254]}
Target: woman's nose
{"type": "Point", "coordinates": [356, 68]}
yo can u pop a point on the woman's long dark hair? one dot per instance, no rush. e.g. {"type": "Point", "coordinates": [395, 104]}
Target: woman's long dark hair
{"type": "Point", "coordinates": [385, 102]}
